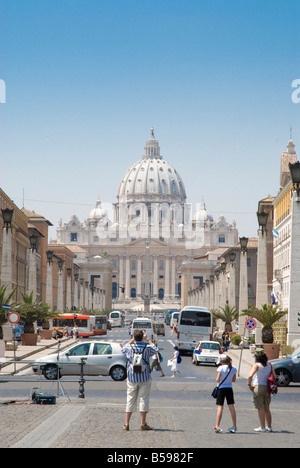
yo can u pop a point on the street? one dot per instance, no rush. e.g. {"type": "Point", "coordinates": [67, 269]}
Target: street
{"type": "Point", "coordinates": [182, 411]}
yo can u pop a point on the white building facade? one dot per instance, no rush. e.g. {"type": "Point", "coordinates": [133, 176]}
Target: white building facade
{"type": "Point", "coordinates": [149, 232]}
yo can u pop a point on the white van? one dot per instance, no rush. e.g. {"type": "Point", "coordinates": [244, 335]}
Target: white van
{"type": "Point", "coordinates": [145, 324]}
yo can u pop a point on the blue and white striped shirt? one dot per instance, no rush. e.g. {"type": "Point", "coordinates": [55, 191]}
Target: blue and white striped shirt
{"type": "Point", "coordinates": [128, 351]}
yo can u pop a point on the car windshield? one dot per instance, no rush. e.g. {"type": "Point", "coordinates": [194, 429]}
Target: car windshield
{"type": "Point", "coordinates": [141, 325]}
{"type": "Point", "coordinates": [296, 353]}
{"type": "Point", "coordinates": [210, 346]}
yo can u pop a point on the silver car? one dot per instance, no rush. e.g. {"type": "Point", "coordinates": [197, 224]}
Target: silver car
{"type": "Point", "coordinates": [101, 358]}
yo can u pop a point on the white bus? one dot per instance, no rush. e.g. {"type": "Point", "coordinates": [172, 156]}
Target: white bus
{"type": "Point", "coordinates": [145, 324]}
{"type": "Point", "coordinates": [116, 318]}
{"type": "Point", "coordinates": [195, 324]}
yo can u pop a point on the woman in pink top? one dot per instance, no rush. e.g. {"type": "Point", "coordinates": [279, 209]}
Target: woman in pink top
{"type": "Point", "coordinates": [258, 384]}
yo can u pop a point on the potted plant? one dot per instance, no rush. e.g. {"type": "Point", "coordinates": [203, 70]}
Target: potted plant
{"type": "Point", "coordinates": [30, 311]}
{"type": "Point", "coordinates": [267, 316]}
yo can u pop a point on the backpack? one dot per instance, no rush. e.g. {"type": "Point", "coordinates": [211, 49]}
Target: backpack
{"type": "Point", "coordinates": [138, 362]}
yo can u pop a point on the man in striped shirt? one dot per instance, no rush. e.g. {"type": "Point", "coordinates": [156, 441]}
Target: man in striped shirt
{"type": "Point", "coordinates": [138, 384]}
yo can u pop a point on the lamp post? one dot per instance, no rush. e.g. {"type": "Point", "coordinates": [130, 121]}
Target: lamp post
{"type": "Point", "coordinates": [243, 289]}
{"type": "Point", "coordinates": [69, 288]}
{"type": "Point", "coordinates": [262, 269]}
{"type": "Point", "coordinates": [60, 286]}
{"type": "Point", "coordinates": [232, 257]}
{"type": "Point", "coordinates": [32, 281]}
{"type": "Point", "coordinates": [6, 264]}
{"type": "Point", "coordinates": [49, 283]}
{"type": "Point", "coordinates": [293, 335]}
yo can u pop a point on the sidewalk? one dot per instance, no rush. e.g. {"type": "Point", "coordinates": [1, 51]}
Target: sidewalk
{"type": "Point", "coordinates": [30, 353]}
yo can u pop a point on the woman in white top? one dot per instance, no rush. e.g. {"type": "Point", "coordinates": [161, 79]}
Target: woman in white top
{"type": "Point", "coordinates": [226, 375]}
{"type": "Point", "coordinates": [258, 384]}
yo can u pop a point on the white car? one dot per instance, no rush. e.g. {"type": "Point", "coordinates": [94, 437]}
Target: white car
{"type": "Point", "coordinates": [102, 358]}
{"type": "Point", "coordinates": [207, 352]}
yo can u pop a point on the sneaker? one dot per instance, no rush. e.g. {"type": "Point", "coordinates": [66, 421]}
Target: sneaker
{"type": "Point", "coordinates": [146, 427]}
{"type": "Point", "coordinates": [217, 430]}
{"type": "Point", "coordinates": [269, 429]}
{"type": "Point", "coordinates": [259, 429]}
{"type": "Point", "coordinates": [232, 429]}
{"type": "Point", "coordinates": [126, 427]}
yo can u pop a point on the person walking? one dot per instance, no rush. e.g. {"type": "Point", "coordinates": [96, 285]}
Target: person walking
{"type": "Point", "coordinates": [138, 383]}
{"type": "Point", "coordinates": [226, 376]}
{"type": "Point", "coordinates": [156, 362]}
{"type": "Point", "coordinates": [258, 384]}
{"type": "Point", "coordinates": [175, 361]}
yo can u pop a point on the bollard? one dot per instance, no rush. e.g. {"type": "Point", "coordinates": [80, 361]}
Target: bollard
{"type": "Point", "coordinates": [82, 380]}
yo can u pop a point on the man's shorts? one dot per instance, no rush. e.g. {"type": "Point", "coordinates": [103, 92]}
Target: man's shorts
{"type": "Point", "coordinates": [225, 393]}
{"type": "Point", "coordinates": [261, 398]}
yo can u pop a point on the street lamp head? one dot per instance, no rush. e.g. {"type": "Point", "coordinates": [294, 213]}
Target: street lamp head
{"type": "Point", "coordinates": [49, 254]}
{"type": "Point", "coordinates": [295, 174]}
{"type": "Point", "coordinates": [69, 271]}
{"type": "Point", "coordinates": [223, 267]}
{"type": "Point", "coordinates": [262, 218]}
{"type": "Point", "coordinates": [244, 243]}
{"type": "Point", "coordinates": [232, 257]}
{"type": "Point", "coordinates": [60, 264]}
{"type": "Point", "coordinates": [7, 215]}
{"type": "Point", "coordinates": [33, 241]}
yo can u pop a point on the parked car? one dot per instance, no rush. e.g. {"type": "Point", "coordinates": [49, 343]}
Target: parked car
{"type": "Point", "coordinates": [102, 358]}
{"type": "Point", "coordinates": [207, 352]}
{"type": "Point", "coordinates": [287, 369]}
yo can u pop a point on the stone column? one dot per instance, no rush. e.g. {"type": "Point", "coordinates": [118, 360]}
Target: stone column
{"type": "Point", "coordinates": [121, 277]}
{"type": "Point", "coordinates": [139, 277]}
{"type": "Point", "coordinates": [243, 290]}
{"type": "Point", "coordinates": [167, 278]}
{"type": "Point", "coordinates": [155, 277]}
{"type": "Point", "coordinates": [127, 279]}
{"type": "Point", "coordinates": [262, 279]}
{"type": "Point", "coordinates": [60, 293]}
{"type": "Point", "coordinates": [32, 283]}
{"type": "Point", "coordinates": [293, 335]}
{"type": "Point", "coordinates": [6, 266]}
{"type": "Point", "coordinates": [49, 285]}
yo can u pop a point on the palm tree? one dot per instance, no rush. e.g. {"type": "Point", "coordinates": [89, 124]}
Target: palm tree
{"type": "Point", "coordinates": [31, 310]}
{"type": "Point", "coordinates": [4, 299]}
{"type": "Point", "coordinates": [227, 314]}
{"type": "Point", "coordinates": [267, 316]}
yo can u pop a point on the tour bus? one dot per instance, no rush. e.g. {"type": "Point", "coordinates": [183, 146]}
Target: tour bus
{"type": "Point", "coordinates": [145, 324]}
{"type": "Point", "coordinates": [195, 324]}
{"type": "Point", "coordinates": [87, 325]}
{"type": "Point", "coordinates": [116, 318]}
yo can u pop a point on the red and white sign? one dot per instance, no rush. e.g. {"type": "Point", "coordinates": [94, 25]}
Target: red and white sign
{"type": "Point", "coordinates": [250, 324]}
{"type": "Point", "coordinates": [13, 317]}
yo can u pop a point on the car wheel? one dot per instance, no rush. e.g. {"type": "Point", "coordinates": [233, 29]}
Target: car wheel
{"type": "Point", "coordinates": [283, 377]}
{"type": "Point", "coordinates": [118, 373]}
{"type": "Point", "coordinates": [51, 372]}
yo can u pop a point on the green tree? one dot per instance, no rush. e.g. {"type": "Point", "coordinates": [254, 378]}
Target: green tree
{"type": "Point", "coordinates": [227, 314]}
{"type": "Point", "coordinates": [267, 316]}
{"type": "Point", "coordinates": [4, 299]}
{"type": "Point", "coordinates": [31, 310]}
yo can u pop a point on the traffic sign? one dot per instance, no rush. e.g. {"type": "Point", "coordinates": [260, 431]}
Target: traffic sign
{"type": "Point", "coordinates": [13, 317]}
{"type": "Point", "coordinates": [250, 324]}
{"type": "Point", "coordinates": [6, 307]}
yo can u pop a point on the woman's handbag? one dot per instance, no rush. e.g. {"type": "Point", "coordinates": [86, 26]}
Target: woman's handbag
{"type": "Point", "coordinates": [216, 389]}
{"type": "Point", "coordinates": [272, 384]}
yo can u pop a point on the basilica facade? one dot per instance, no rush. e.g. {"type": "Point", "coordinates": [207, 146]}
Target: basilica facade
{"type": "Point", "coordinates": [147, 234]}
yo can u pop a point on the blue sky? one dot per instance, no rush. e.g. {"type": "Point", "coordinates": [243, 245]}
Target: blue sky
{"type": "Point", "coordinates": [87, 79]}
